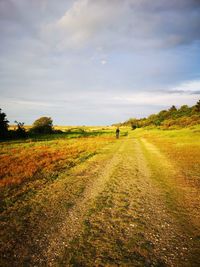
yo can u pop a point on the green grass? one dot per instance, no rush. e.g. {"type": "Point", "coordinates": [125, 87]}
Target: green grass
{"type": "Point", "coordinates": [115, 225]}
{"type": "Point", "coordinates": [191, 135]}
{"type": "Point", "coordinates": [70, 133]}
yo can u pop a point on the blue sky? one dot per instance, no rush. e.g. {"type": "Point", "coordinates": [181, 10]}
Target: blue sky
{"type": "Point", "coordinates": [96, 62]}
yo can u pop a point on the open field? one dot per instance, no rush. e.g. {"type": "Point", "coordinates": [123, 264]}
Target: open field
{"type": "Point", "coordinates": [66, 128]}
{"type": "Point", "coordinates": [86, 199]}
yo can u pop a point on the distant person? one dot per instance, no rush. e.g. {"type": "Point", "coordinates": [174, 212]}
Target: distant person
{"type": "Point", "coordinates": [117, 133]}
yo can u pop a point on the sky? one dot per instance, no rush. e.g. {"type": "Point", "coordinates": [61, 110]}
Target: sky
{"type": "Point", "coordinates": [97, 62]}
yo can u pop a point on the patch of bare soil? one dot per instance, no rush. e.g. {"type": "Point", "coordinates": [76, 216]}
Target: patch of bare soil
{"type": "Point", "coordinates": [118, 209]}
{"type": "Point", "coordinates": [72, 225]}
{"type": "Point", "coordinates": [129, 222]}
{"type": "Point", "coordinates": [33, 228]}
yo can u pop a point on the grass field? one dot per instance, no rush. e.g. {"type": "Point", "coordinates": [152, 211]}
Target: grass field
{"type": "Point", "coordinates": [84, 198]}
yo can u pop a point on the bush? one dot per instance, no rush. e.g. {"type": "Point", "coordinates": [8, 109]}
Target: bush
{"type": "Point", "coordinates": [3, 125]}
{"type": "Point", "coordinates": [43, 125]}
{"type": "Point", "coordinates": [20, 131]}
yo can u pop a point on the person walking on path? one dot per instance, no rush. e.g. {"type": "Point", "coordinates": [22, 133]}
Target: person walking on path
{"type": "Point", "coordinates": [117, 133]}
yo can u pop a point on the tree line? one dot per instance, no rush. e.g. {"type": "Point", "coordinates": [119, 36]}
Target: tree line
{"type": "Point", "coordinates": [43, 125]}
{"type": "Point", "coordinates": [173, 117]}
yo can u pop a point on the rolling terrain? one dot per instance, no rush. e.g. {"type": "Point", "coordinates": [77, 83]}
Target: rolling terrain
{"type": "Point", "coordinates": [98, 201]}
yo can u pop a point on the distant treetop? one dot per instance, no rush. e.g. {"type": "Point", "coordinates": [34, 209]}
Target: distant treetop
{"type": "Point", "coordinates": [43, 125]}
{"type": "Point", "coordinates": [181, 117]}
{"type": "Point", "coordinates": [3, 125]}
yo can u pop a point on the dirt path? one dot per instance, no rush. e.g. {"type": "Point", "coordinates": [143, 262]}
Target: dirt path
{"type": "Point", "coordinates": [128, 223]}
{"type": "Point", "coordinates": [72, 226]}
{"type": "Point", "coordinates": [128, 211]}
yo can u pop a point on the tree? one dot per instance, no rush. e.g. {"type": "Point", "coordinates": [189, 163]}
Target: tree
{"type": "Point", "coordinates": [184, 108]}
{"type": "Point", "coordinates": [20, 131]}
{"type": "Point", "coordinates": [134, 123]}
{"type": "Point", "coordinates": [43, 125]}
{"type": "Point", "coordinates": [3, 125]}
{"type": "Point", "coordinates": [172, 113]}
{"type": "Point", "coordinates": [173, 108]}
{"type": "Point", "coordinates": [197, 106]}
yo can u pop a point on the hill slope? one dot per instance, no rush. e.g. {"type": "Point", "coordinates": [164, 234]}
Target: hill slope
{"type": "Point", "coordinates": [173, 117]}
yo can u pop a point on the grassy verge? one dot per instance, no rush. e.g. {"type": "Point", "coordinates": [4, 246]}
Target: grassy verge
{"type": "Point", "coordinates": [181, 147]}
{"type": "Point", "coordinates": [34, 208]}
{"type": "Point", "coordinates": [114, 229]}
{"type": "Point", "coordinates": [174, 160]}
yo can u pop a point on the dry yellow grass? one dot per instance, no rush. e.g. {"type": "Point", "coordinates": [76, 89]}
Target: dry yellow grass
{"type": "Point", "coordinates": [21, 162]}
{"type": "Point", "coordinates": [181, 146]}
{"type": "Point", "coordinates": [133, 203]}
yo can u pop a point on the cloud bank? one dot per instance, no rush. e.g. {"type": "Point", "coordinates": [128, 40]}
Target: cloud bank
{"type": "Point", "coordinates": [97, 61]}
{"type": "Point", "coordinates": [130, 24]}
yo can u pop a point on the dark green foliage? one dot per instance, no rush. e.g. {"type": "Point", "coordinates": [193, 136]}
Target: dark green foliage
{"type": "Point", "coordinates": [43, 125]}
{"type": "Point", "coordinates": [3, 125]}
{"type": "Point", "coordinates": [172, 109]}
{"type": "Point", "coordinates": [197, 107]}
{"type": "Point", "coordinates": [182, 117]}
{"type": "Point", "coordinates": [20, 131]}
{"type": "Point", "coordinates": [134, 123]}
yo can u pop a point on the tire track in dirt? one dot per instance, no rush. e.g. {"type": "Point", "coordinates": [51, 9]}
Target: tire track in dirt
{"type": "Point", "coordinates": [173, 244]}
{"type": "Point", "coordinates": [181, 203]}
{"type": "Point", "coordinates": [120, 219]}
{"type": "Point", "coordinates": [72, 225]}
{"type": "Point", "coordinates": [30, 236]}
{"type": "Point", "coordinates": [174, 178]}
{"type": "Point", "coordinates": [128, 223]}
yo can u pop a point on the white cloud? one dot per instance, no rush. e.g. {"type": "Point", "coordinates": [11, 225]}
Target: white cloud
{"type": "Point", "coordinates": [132, 24]}
{"type": "Point", "coordinates": [185, 93]}
{"type": "Point", "coordinates": [58, 53]}
{"type": "Point", "coordinates": [27, 103]}
{"type": "Point", "coordinates": [156, 100]}
{"type": "Point", "coordinates": [189, 86]}
{"type": "Point", "coordinates": [103, 62]}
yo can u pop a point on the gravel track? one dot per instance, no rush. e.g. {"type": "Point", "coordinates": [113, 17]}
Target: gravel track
{"type": "Point", "coordinates": [130, 212]}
